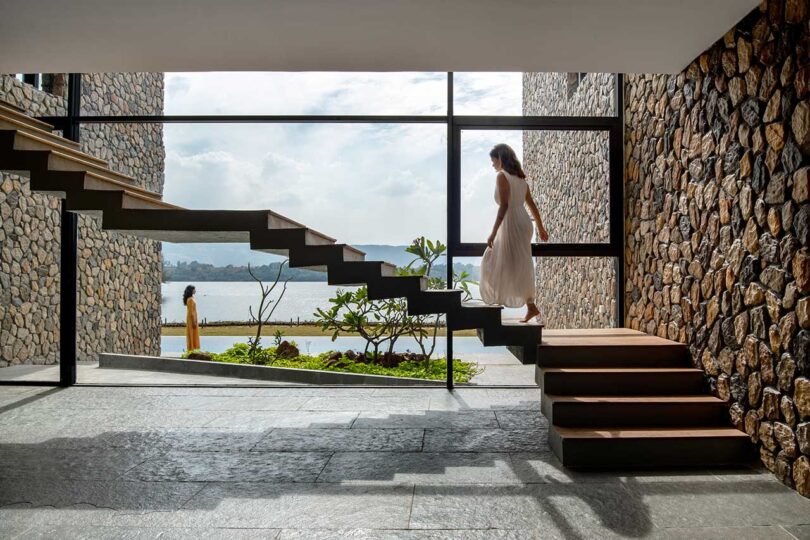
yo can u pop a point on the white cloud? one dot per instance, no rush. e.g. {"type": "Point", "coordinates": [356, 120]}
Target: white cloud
{"type": "Point", "coordinates": [361, 183]}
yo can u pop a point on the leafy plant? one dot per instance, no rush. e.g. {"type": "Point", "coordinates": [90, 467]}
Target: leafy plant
{"type": "Point", "coordinates": [278, 337]}
{"type": "Point", "coordinates": [427, 252]}
{"type": "Point", "coordinates": [379, 322]}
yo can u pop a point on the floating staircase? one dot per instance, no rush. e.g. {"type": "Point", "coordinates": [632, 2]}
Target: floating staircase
{"type": "Point", "coordinates": [622, 398]}
{"type": "Point", "coordinates": [57, 166]}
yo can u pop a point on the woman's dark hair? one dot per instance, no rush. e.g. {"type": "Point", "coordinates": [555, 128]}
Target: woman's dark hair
{"type": "Point", "coordinates": [188, 293]}
{"type": "Point", "coordinates": [509, 160]}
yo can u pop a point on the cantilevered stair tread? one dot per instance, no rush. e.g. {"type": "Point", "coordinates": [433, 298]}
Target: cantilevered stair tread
{"type": "Point", "coordinates": [29, 139]}
{"type": "Point", "coordinates": [14, 114]}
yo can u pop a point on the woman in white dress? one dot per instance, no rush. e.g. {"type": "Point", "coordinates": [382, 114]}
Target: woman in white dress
{"type": "Point", "coordinates": [507, 269]}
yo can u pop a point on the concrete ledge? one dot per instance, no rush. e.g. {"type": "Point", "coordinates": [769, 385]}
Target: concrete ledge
{"type": "Point", "coordinates": [260, 373]}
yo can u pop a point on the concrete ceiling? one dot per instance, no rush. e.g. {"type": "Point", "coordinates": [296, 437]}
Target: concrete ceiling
{"type": "Point", "coordinates": [650, 36]}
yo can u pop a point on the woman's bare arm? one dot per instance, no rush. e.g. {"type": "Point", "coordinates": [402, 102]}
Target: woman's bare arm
{"type": "Point", "coordinates": [503, 195]}
{"type": "Point", "coordinates": [541, 231]}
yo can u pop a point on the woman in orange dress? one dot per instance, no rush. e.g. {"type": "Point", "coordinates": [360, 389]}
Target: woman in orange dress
{"type": "Point", "coordinates": [192, 328]}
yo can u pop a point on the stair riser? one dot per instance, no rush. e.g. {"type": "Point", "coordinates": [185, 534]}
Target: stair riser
{"type": "Point", "coordinates": [621, 384]}
{"type": "Point", "coordinates": [318, 256]}
{"type": "Point", "coordinates": [526, 354]}
{"type": "Point", "coordinates": [44, 142]}
{"type": "Point", "coordinates": [434, 303]}
{"type": "Point", "coordinates": [602, 415]}
{"type": "Point", "coordinates": [468, 318]}
{"type": "Point", "coordinates": [24, 163]}
{"type": "Point", "coordinates": [353, 274]}
{"type": "Point", "coordinates": [605, 357]}
{"type": "Point", "coordinates": [396, 287]}
{"type": "Point", "coordinates": [603, 453]}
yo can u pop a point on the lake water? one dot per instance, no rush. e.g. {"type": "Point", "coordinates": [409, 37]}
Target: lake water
{"type": "Point", "coordinates": [230, 300]}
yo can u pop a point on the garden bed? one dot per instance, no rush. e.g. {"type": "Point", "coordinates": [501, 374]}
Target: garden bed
{"type": "Point", "coordinates": [407, 365]}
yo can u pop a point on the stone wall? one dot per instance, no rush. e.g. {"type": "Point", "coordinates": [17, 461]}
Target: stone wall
{"type": "Point", "coordinates": [717, 226]}
{"type": "Point", "coordinates": [568, 176]}
{"type": "Point", "coordinates": [119, 276]}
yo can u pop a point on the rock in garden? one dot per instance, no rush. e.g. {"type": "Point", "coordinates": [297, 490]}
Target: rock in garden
{"type": "Point", "coordinates": [199, 356]}
{"type": "Point", "coordinates": [286, 349]}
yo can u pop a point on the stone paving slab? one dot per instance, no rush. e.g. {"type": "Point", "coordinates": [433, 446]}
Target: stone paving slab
{"type": "Point", "coordinates": [336, 440]}
{"type": "Point", "coordinates": [92, 462]}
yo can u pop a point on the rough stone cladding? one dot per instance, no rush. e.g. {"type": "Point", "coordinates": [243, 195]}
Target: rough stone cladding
{"type": "Point", "coordinates": [568, 176]}
{"type": "Point", "coordinates": [119, 276]}
{"type": "Point", "coordinates": [718, 223]}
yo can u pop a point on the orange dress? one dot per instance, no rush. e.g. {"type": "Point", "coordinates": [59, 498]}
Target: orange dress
{"type": "Point", "coordinates": [192, 330]}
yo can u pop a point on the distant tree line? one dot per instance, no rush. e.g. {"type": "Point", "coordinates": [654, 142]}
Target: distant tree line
{"type": "Point", "coordinates": [196, 271]}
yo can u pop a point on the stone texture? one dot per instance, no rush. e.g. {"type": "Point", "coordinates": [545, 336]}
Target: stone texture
{"type": "Point", "coordinates": [574, 292]}
{"type": "Point", "coordinates": [743, 214]}
{"type": "Point", "coordinates": [119, 276]}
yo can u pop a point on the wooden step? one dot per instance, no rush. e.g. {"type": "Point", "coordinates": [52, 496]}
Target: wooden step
{"type": "Point", "coordinates": [634, 411]}
{"type": "Point", "coordinates": [619, 348]}
{"type": "Point", "coordinates": [638, 448]}
{"type": "Point", "coordinates": [621, 381]}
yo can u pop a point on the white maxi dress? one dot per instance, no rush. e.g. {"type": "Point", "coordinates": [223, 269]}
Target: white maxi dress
{"type": "Point", "coordinates": [507, 271]}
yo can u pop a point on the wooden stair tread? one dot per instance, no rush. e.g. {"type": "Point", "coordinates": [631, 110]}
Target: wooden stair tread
{"type": "Point", "coordinates": [595, 332]}
{"type": "Point", "coordinates": [636, 399]}
{"type": "Point", "coordinates": [607, 341]}
{"type": "Point", "coordinates": [649, 433]}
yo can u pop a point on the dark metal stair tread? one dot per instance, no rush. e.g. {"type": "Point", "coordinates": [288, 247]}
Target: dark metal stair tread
{"type": "Point", "coordinates": [636, 399]}
{"type": "Point", "coordinates": [44, 140]}
{"type": "Point", "coordinates": [518, 323]}
{"type": "Point", "coordinates": [12, 112]}
{"type": "Point", "coordinates": [650, 433]}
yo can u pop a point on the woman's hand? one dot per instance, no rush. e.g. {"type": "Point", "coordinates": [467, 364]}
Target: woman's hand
{"type": "Point", "coordinates": [542, 233]}
{"type": "Point", "coordinates": [491, 239]}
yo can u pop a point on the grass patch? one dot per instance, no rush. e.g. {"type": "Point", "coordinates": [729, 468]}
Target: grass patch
{"type": "Point", "coordinates": [266, 356]}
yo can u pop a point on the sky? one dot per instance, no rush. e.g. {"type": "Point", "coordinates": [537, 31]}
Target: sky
{"type": "Point", "coordinates": [360, 183]}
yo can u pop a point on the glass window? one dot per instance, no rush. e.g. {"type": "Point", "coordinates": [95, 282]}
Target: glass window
{"type": "Point", "coordinates": [567, 172]}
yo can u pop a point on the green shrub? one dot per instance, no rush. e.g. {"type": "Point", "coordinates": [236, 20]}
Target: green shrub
{"type": "Point", "coordinates": [239, 353]}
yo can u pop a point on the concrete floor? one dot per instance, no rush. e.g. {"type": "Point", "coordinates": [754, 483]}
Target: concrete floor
{"type": "Point", "coordinates": [314, 463]}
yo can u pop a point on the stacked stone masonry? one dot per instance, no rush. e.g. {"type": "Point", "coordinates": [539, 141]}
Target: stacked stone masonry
{"type": "Point", "coordinates": [568, 176]}
{"type": "Point", "coordinates": [718, 223]}
{"type": "Point", "coordinates": [119, 276]}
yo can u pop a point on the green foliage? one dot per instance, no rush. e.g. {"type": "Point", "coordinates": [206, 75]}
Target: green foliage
{"type": "Point", "coordinates": [379, 322]}
{"type": "Point", "coordinates": [278, 337]}
{"type": "Point", "coordinates": [435, 370]}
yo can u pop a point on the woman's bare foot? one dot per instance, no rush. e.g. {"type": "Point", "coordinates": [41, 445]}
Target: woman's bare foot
{"type": "Point", "coordinates": [531, 312]}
